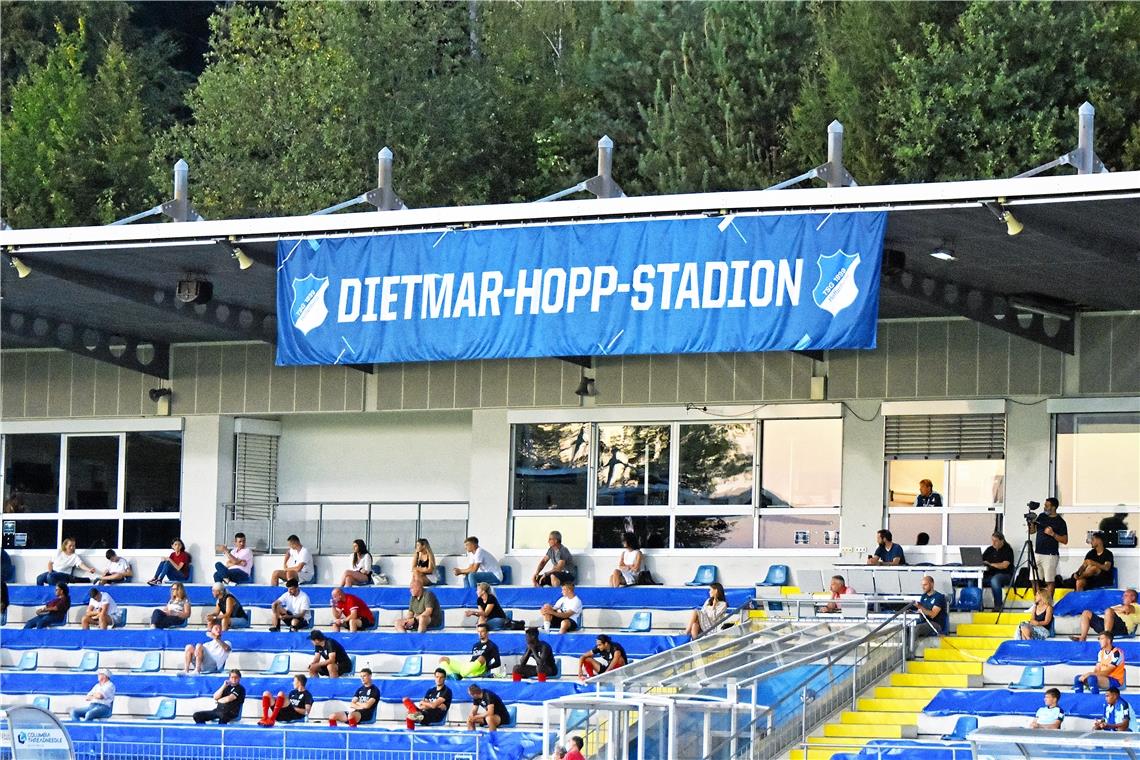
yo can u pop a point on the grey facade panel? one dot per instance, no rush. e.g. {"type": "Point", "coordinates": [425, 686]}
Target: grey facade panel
{"type": "Point", "coordinates": [468, 378]}
{"type": "Point", "coordinates": [749, 383]}
{"type": "Point", "coordinates": [635, 374]}
{"type": "Point", "coordinates": [930, 359]}
{"type": "Point", "coordinates": [59, 384]}
{"type": "Point", "coordinates": [416, 385]}
{"type": "Point", "coordinates": [307, 389]}
{"type": "Point", "coordinates": [962, 363]}
{"type": "Point", "coordinates": [494, 392]}
{"type": "Point", "coordinates": [520, 382]}
{"type": "Point", "coordinates": [663, 374]}
{"type": "Point", "coordinates": [441, 385]}
{"type": "Point", "coordinates": [233, 379]}
{"type": "Point", "coordinates": [902, 359]}
{"type": "Point", "coordinates": [390, 386]}
{"type": "Point", "coordinates": [208, 396]}
{"type": "Point", "coordinates": [720, 377]}
{"type": "Point", "coordinates": [691, 373]}
{"type": "Point", "coordinates": [1096, 355]}
{"type": "Point", "coordinates": [1125, 374]}
{"type": "Point", "coordinates": [259, 360]}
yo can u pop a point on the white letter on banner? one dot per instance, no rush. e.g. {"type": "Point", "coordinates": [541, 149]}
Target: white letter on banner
{"type": "Point", "coordinates": [643, 287]}
{"type": "Point", "coordinates": [754, 297]}
{"type": "Point", "coordinates": [465, 301]}
{"type": "Point", "coordinates": [605, 284]}
{"type": "Point", "coordinates": [410, 281]}
{"type": "Point", "coordinates": [349, 294]}
{"type": "Point", "coordinates": [737, 300]}
{"type": "Point", "coordinates": [667, 284]}
{"type": "Point", "coordinates": [689, 289]}
{"type": "Point", "coordinates": [370, 300]}
{"type": "Point", "coordinates": [492, 288]}
{"type": "Point", "coordinates": [789, 284]}
{"type": "Point", "coordinates": [553, 280]}
{"type": "Point", "coordinates": [437, 303]}
{"type": "Point", "coordinates": [523, 292]}
{"type": "Point", "coordinates": [388, 297]}
{"type": "Point", "coordinates": [580, 278]}
{"type": "Point", "coordinates": [720, 270]}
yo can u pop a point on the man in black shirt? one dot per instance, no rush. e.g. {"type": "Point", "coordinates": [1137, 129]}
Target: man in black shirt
{"type": "Point", "coordinates": [487, 709]}
{"type": "Point", "coordinates": [1051, 532]}
{"type": "Point", "coordinates": [484, 657]}
{"type": "Point", "coordinates": [606, 655]}
{"type": "Point", "coordinates": [362, 708]}
{"type": "Point", "coordinates": [541, 653]}
{"type": "Point", "coordinates": [227, 701]}
{"type": "Point", "coordinates": [1096, 570]}
{"type": "Point", "coordinates": [330, 659]}
{"type": "Point", "coordinates": [294, 707]}
{"type": "Point", "coordinates": [998, 559]}
{"type": "Point", "coordinates": [433, 707]}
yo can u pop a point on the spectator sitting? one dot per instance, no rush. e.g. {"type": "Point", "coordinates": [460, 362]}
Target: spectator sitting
{"type": "Point", "coordinates": [100, 700]}
{"type": "Point", "coordinates": [227, 609]}
{"type": "Point", "coordinates": [228, 700]}
{"type": "Point", "coordinates": [1051, 715]}
{"type": "Point", "coordinates": [490, 613]}
{"type": "Point", "coordinates": [922, 539]}
{"type": "Point", "coordinates": [209, 657]}
{"type": "Point", "coordinates": [705, 617]}
{"type": "Point", "coordinates": [927, 496]}
{"type": "Point", "coordinates": [1120, 620]}
{"type": "Point", "coordinates": [484, 657]}
{"type": "Point", "coordinates": [933, 608]}
{"type": "Point", "coordinates": [1040, 625]}
{"type": "Point", "coordinates": [423, 562]}
{"type": "Point", "coordinates": [574, 749]}
{"type": "Point", "coordinates": [101, 609]}
{"type": "Point", "coordinates": [888, 552]}
{"type": "Point", "coordinates": [297, 563]}
{"type": "Point", "coordinates": [238, 567]}
{"type": "Point", "coordinates": [118, 569]}
{"type": "Point", "coordinates": [350, 611]}
{"type": "Point", "coordinates": [54, 612]}
{"type": "Point", "coordinates": [1108, 671]}
{"type": "Point", "coordinates": [291, 608]}
{"type": "Point", "coordinates": [606, 655]}
{"type": "Point", "coordinates": [423, 610]}
{"type": "Point", "coordinates": [556, 566]}
{"type": "Point", "coordinates": [567, 611]}
{"type": "Point", "coordinates": [629, 563]}
{"type": "Point", "coordinates": [480, 566]}
{"type": "Point", "coordinates": [177, 610]}
{"type": "Point", "coordinates": [176, 567]}
{"type": "Point", "coordinates": [287, 709]}
{"type": "Point", "coordinates": [838, 588]}
{"type": "Point", "coordinates": [329, 659]}
{"type": "Point", "coordinates": [1117, 713]}
{"type": "Point", "coordinates": [998, 559]}
{"type": "Point", "coordinates": [432, 709]}
{"type": "Point", "coordinates": [1096, 569]}
{"type": "Point", "coordinates": [541, 653]}
{"type": "Point", "coordinates": [487, 709]}
{"type": "Point", "coordinates": [363, 704]}
{"type": "Point", "coordinates": [360, 574]}
{"type": "Point", "coordinates": [62, 568]}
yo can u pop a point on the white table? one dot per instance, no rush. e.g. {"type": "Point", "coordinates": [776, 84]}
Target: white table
{"type": "Point", "coordinates": [905, 579]}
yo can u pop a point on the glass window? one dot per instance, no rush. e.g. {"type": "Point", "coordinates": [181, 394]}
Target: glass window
{"type": "Point", "coordinates": [905, 474]}
{"type": "Point", "coordinates": [976, 482]}
{"type": "Point", "coordinates": [30, 534]}
{"type": "Point", "coordinates": [154, 471]}
{"type": "Point", "coordinates": [802, 463]}
{"type": "Point", "coordinates": [704, 532]}
{"type": "Point", "coordinates": [1082, 524]}
{"type": "Point", "coordinates": [652, 532]}
{"type": "Point", "coordinates": [92, 535]}
{"type": "Point", "coordinates": [787, 530]}
{"type": "Point", "coordinates": [907, 525]}
{"type": "Point", "coordinates": [1096, 456]}
{"type": "Point", "coordinates": [551, 466]}
{"type": "Point", "coordinates": [149, 534]}
{"type": "Point", "coordinates": [531, 530]}
{"type": "Point", "coordinates": [633, 464]}
{"type": "Point", "coordinates": [971, 529]}
{"type": "Point", "coordinates": [92, 472]}
{"type": "Point", "coordinates": [716, 464]}
{"type": "Point", "coordinates": [31, 473]}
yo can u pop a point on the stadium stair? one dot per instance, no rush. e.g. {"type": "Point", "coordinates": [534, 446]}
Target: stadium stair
{"type": "Point", "coordinates": [892, 710]}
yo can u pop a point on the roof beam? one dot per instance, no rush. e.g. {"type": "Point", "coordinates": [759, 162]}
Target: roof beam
{"type": "Point", "coordinates": [134, 353]}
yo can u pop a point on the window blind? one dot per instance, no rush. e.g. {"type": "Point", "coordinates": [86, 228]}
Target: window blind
{"type": "Point", "coordinates": [950, 436]}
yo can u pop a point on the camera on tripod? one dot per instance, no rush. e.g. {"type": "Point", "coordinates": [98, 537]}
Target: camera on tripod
{"type": "Point", "coordinates": [1031, 516]}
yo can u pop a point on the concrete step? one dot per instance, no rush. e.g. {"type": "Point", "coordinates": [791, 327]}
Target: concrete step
{"type": "Point", "coordinates": [821, 753]}
{"type": "Point", "coordinates": [870, 731]}
{"type": "Point", "coordinates": [877, 704]}
{"type": "Point", "coordinates": [951, 681]}
{"type": "Point", "coordinates": [990, 643]}
{"type": "Point", "coordinates": [944, 668]}
{"type": "Point", "coordinates": [948, 653]}
{"type": "Point", "coordinates": [1004, 631]}
{"type": "Point", "coordinates": [1002, 618]}
{"type": "Point", "coordinates": [878, 718]}
{"type": "Point", "coordinates": [918, 693]}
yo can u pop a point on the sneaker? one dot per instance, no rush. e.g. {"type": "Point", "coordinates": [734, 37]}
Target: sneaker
{"type": "Point", "coordinates": [275, 628]}
{"type": "Point", "coordinates": [418, 717]}
{"type": "Point", "coordinates": [153, 582]}
{"type": "Point", "coordinates": [267, 723]}
{"type": "Point", "coordinates": [332, 723]}
{"type": "Point", "coordinates": [352, 722]}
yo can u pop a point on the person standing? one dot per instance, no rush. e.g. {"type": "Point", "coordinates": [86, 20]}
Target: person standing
{"type": "Point", "coordinates": [238, 565]}
{"type": "Point", "coordinates": [1051, 533]}
{"type": "Point", "coordinates": [296, 564]}
{"type": "Point", "coordinates": [228, 700]}
{"type": "Point", "coordinates": [927, 496]}
{"type": "Point", "coordinates": [998, 559]}
{"type": "Point", "coordinates": [100, 700]}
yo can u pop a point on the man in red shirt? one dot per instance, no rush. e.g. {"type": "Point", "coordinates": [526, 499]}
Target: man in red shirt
{"type": "Point", "coordinates": [575, 751]}
{"type": "Point", "coordinates": [351, 612]}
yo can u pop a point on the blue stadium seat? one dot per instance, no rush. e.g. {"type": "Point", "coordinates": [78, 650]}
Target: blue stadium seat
{"type": "Point", "coordinates": [371, 720]}
{"type": "Point", "coordinates": [1032, 677]}
{"type": "Point", "coordinates": [965, 725]}
{"type": "Point", "coordinates": [642, 622]}
{"type": "Point", "coordinates": [440, 575]}
{"type": "Point", "coordinates": [778, 575]}
{"type": "Point", "coordinates": [29, 661]}
{"type": "Point", "coordinates": [413, 666]}
{"type": "Point", "coordinates": [513, 712]}
{"type": "Point", "coordinates": [706, 574]}
{"type": "Point", "coordinates": [152, 663]}
{"type": "Point", "coordinates": [507, 579]}
{"type": "Point", "coordinates": [279, 666]}
{"type": "Point", "coordinates": [120, 618]}
{"type": "Point", "coordinates": [166, 710]}
{"type": "Point", "coordinates": [88, 663]}
{"type": "Point", "coordinates": [42, 702]}
{"type": "Point", "coordinates": [969, 600]}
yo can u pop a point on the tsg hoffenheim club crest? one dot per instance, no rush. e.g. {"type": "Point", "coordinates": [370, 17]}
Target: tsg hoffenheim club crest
{"type": "Point", "coordinates": [309, 311]}
{"type": "Point", "coordinates": [836, 289]}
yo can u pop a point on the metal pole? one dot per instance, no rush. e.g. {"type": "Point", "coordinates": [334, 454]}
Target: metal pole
{"type": "Point", "coordinates": [384, 179]}
{"type": "Point", "coordinates": [181, 209]}
{"type": "Point", "coordinates": [606, 166]}
{"type": "Point", "coordinates": [1085, 138]}
{"type": "Point", "coordinates": [835, 154]}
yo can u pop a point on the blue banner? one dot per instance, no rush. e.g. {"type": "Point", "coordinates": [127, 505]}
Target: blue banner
{"type": "Point", "coordinates": [733, 283]}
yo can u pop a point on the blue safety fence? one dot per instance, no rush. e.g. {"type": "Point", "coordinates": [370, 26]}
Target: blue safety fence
{"type": "Point", "coordinates": [911, 749]}
{"type": "Point", "coordinates": [1057, 652]}
{"type": "Point", "coordinates": [1097, 600]}
{"type": "Point", "coordinates": [996, 702]}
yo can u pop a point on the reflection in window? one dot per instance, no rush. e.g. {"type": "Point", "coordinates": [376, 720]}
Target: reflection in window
{"type": "Point", "coordinates": [550, 465]}
{"type": "Point", "coordinates": [905, 526]}
{"type": "Point", "coordinates": [716, 464]}
{"type": "Point", "coordinates": [802, 463]}
{"type": "Point", "coordinates": [652, 532]}
{"type": "Point", "coordinates": [633, 464]}
{"type": "Point", "coordinates": [702, 532]}
{"type": "Point", "coordinates": [1096, 459]}
{"type": "Point", "coordinates": [780, 530]}
{"type": "Point", "coordinates": [971, 529]}
{"type": "Point", "coordinates": [93, 535]}
{"type": "Point", "coordinates": [149, 534]}
{"type": "Point", "coordinates": [154, 471]}
{"type": "Point", "coordinates": [92, 472]}
{"type": "Point", "coordinates": [905, 474]}
{"type": "Point", "coordinates": [31, 473]}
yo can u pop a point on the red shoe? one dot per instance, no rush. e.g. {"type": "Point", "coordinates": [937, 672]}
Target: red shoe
{"type": "Point", "coordinates": [352, 722]}
{"type": "Point", "coordinates": [269, 723]}
{"type": "Point", "coordinates": [332, 722]}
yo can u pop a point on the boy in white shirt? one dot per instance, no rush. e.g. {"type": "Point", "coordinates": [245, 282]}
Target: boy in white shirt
{"type": "Point", "coordinates": [118, 569]}
{"type": "Point", "coordinates": [101, 609]}
{"type": "Point", "coordinates": [566, 613]}
{"type": "Point", "coordinates": [298, 563]}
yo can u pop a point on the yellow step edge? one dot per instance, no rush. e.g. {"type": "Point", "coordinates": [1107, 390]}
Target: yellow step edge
{"type": "Point", "coordinates": [918, 693]}
{"type": "Point", "coordinates": [846, 741]}
{"type": "Point", "coordinates": [879, 718]}
{"type": "Point", "coordinates": [880, 704]}
{"type": "Point", "coordinates": [944, 668]}
{"type": "Point", "coordinates": [817, 753]}
{"type": "Point", "coordinates": [869, 732]}
{"type": "Point", "coordinates": [1005, 630]}
{"type": "Point", "coordinates": [1003, 618]}
{"type": "Point", "coordinates": [972, 642]}
{"type": "Point", "coordinates": [949, 654]}
{"type": "Point", "coordinates": [924, 679]}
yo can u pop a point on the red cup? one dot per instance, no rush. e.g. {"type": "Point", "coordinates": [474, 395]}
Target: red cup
{"type": "Point", "coordinates": [411, 724]}
{"type": "Point", "coordinates": [542, 676]}
{"type": "Point", "coordinates": [516, 676]}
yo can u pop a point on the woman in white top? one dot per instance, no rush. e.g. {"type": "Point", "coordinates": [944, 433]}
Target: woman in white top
{"type": "Point", "coordinates": [361, 572]}
{"type": "Point", "coordinates": [176, 612]}
{"type": "Point", "coordinates": [629, 563]}
{"type": "Point", "coordinates": [423, 562]}
{"type": "Point", "coordinates": [708, 614]}
{"type": "Point", "coordinates": [62, 568]}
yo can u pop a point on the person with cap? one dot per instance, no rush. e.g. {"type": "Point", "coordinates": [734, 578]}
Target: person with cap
{"type": "Point", "coordinates": [362, 708]}
{"type": "Point", "coordinates": [228, 700]}
{"type": "Point", "coordinates": [291, 608]}
{"type": "Point", "coordinates": [100, 699]}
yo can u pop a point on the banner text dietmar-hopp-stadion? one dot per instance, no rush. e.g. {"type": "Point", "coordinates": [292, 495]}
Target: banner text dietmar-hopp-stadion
{"type": "Point", "coordinates": [716, 284]}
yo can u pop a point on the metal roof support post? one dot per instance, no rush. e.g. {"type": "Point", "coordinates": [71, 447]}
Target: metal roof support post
{"type": "Point", "coordinates": [179, 208]}
{"type": "Point", "coordinates": [384, 180]}
{"type": "Point", "coordinates": [606, 166]}
{"type": "Point", "coordinates": [835, 154]}
{"type": "Point", "coordinates": [1085, 157]}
